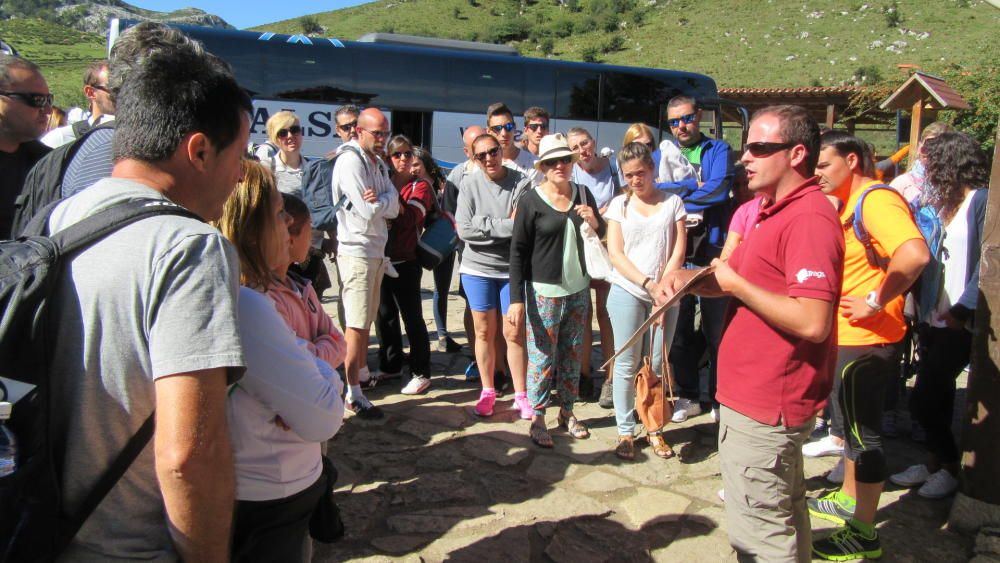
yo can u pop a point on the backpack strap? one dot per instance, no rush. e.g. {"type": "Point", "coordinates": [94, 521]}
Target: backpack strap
{"type": "Point", "coordinates": [615, 181]}
{"type": "Point", "coordinates": [856, 221]}
{"type": "Point", "coordinates": [81, 127]}
{"type": "Point", "coordinates": [103, 223]}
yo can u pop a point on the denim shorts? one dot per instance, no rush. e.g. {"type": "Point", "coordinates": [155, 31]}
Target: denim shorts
{"type": "Point", "coordinates": [486, 294]}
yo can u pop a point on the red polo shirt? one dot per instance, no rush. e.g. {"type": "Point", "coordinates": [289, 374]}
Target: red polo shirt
{"type": "Point", "coordinates": [796, 249]}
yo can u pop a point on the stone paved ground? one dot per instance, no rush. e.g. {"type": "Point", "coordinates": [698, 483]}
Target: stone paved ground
{"type": "Point", "coordinates": [432, 482]}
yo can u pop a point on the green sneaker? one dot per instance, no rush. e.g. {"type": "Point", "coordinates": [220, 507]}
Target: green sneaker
{"type": "Point", "coordinates": [847, 544]}
{"type": "Point", "coordinates": [835, 507]}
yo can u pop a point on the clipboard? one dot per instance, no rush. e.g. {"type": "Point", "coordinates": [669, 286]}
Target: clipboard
{"type": "Point", "coordinates": [684, 290]}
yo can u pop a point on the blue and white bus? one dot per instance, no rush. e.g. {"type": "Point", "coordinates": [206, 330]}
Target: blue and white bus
{"type": "Point", "coordinates": [433, 88]}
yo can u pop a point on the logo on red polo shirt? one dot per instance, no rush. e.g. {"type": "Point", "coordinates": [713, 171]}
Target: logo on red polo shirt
{"type": "Point", "coordinates": [804, 274]}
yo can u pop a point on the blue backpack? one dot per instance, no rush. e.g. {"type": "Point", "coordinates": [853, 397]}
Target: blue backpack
{"type": "Point", "coordinates": [929, 224]}
{"type": "Point", "coordinates": [317, 189]}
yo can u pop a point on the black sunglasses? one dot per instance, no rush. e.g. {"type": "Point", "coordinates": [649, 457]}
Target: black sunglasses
{"type": "Point", "coordinates": [481, 156]}
{"type": "Point", "coordinates": [535, 126]}
{"type": "Point", "coordinates": [767, 149]}
{"type": "Point", "coordinates": [32, 99]}
{"type": "Point", "coordinates": [402, 154]}
{"type": "Point", "coordinates": [348, 126]}
{"type": "Point", "coordinates": [676, 122]}
{"type": "Point", "coordinates": [559, 160]}
{"type": "Point", "coordinates": [101, 87]}
{"type": "Point", "coordinates": [508, 127]}
{"type": "Point", "coordinates": [294, 130]}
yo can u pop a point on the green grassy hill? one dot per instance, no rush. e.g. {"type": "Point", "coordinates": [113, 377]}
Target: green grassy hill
{"type": "Point", "coordinates": [63, 54]}
{"type": "Point", "coordinates": [741, 43]}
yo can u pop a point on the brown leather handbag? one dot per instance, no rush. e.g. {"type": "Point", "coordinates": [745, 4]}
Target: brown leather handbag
{"type": "Point", "coordinates": [652, 403]}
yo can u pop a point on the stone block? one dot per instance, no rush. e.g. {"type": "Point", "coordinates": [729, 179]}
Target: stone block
{"type": "Point", "coordinates": [650, 504]}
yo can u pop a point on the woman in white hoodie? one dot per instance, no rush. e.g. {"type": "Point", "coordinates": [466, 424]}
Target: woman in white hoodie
{"type": "Point", "coordinates": [288, 401]}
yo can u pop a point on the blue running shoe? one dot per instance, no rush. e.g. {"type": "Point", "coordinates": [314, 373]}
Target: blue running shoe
{"type": "Point", "coordinates": [472, 372]}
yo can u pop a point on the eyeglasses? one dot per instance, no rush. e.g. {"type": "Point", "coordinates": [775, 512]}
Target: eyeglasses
{"type": "Point", "coordinates": [376, 133]}
{"type": "Point", "coordinates": [676, 122]}
{"type": "Point", "coordinates": [402, 154]}
{"type": "Point", "coordinates": [767, 149]}
{"type": "Point", "coordinates": [348, 126]}
{"type": "Point", "coordinates": [492, 153]}
{"type": "Point", "coordinates": [534, 126]}
{"type": "Point", "coordinates": [294, 130]}
{"type": "Point", "coordinates": [32, 99]}
{"type": "Point", "coordinates": [559, 160]}
{"type": "Point", "coordinates": [101, 87]}
{"type": "Point", "coordinates": [508, 127]}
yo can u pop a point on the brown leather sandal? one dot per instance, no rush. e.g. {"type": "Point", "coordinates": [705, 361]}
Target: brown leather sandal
{"type": "Point", "coordinates": [625, 448]}
{"type": "Point", "coordinates": [540, 436]}
{"type": "Point", "coordinates": [660, 446]}
{"type": "Point", "coordinates": [573, 427]}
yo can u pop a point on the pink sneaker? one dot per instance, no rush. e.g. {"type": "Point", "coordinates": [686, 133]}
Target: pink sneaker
{"type": "Point", "coordinates": [485, 405]}
{"type": "Point", "coordinates": [521, 403]}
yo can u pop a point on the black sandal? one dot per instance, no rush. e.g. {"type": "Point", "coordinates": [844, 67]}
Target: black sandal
{"type": "Point", "coordinates": [540, 436]}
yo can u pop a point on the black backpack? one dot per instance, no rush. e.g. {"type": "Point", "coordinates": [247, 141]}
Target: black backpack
{"type": "Point", "coordinates": [33, 523]}
{"type": "Point", "coordinates": [317, 189]}
{"type": "Point", "coordinates": [43, 185]}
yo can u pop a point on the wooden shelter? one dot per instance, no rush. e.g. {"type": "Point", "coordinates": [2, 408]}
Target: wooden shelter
{"type": "Point", "coordinates": [827, 104]}
{"type": "Point", "coordinates": [923, 96]}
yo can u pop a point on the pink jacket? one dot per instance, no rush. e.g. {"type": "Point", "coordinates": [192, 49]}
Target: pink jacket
{"type": "Point", "coordinates": [302, 311]}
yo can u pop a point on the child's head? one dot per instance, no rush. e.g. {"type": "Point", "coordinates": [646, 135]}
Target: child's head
{"type": "Point", "coordinates": [299, 228]}
{"type": "Point", "coordinates": [254, 220]}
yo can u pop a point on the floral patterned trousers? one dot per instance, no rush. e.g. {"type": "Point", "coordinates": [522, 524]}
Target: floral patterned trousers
{"type": "Point", "coordinates": [556, 327]}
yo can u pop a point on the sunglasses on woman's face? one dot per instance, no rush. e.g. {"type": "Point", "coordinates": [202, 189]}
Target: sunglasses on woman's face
{"type": "Point", "coordinates": [293, 130]}
{"type": "Point", "coordinates": [560, 160]}
{"type": "Point", "coordinates": [402, 154]}
{"type": "Point", "coordinates": [508, 127]}
{"type": "Point", "coordinates": [482, 156]}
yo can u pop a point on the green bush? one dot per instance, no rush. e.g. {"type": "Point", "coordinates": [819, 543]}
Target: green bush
{"type": "Point", "coordinates": [614, 43]}
{"type": "Point", "coordinates": [511, 29]}
{"type": "Point", "coordinates": [562, 27]}
{"type": "Point", "coordinates": [590, 54]}
{"type": "Point", "coordinates": [547, 46]}
{"type": "Point", "coordinates": [892, 16]}
{"type": "Point", "coordinates": [310, 25]}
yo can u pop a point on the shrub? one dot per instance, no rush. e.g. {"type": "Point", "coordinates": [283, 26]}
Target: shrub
{"type": "Point", "coordinates": [562, 27]}
{"type": "Point", "coordinates": [547, 46]}
{"type": "Point", "coordinates": [310, 25]}
{"type": "Point", "coordinates": [590, 54]}
{"type": "Point", "coordinates": [614, 43]}
{"type": "Point", "coordinates": [892, 16]}
{"type": "Point", "coordinates": [511, 29]}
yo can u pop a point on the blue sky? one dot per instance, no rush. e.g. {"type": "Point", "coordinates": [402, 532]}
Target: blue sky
{"type": "Point", "coordinates": [248, 13]}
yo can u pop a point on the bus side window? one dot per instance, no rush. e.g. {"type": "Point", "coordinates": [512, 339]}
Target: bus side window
{"type": "Point", "coordinates": [577, 95]}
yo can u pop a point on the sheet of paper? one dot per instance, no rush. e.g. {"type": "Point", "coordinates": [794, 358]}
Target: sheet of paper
{"type": "Point", "coordinates": [684, 290]}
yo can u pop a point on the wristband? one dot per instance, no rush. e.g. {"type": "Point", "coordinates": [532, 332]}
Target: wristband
{"type": "Point", "coordinates": [644, 282]}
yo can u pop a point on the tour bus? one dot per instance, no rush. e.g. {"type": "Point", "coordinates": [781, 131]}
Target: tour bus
{"type": "Point", "coordinates": [432, 89]}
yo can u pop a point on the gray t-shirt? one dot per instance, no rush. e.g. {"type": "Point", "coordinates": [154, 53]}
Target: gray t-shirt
{"type": "Point", "coordinates": [156, 298]}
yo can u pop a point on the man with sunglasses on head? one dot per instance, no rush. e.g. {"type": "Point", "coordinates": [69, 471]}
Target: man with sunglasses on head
{"type": "Point", "coordinates": [536, 126]}
{"type": "Point", "coordinates": [708, 204]}
{"type": "Point", "coordinates": [102, 106]}
{"type": "Point", "coordinates": [362, 232]}
{"type": "Point", "coordinates": [779, 345]}
{"type": "Point", "coordinates": [500, 124]}
{"type": "Point", "coordinates": [25, 104]}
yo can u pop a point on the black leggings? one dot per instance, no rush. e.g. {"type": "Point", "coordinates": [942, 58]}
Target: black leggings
{"type": "Point", "coordinates": [863, 373]}
{"type": "Point", "coordinates": [275, 530]}
{"type": "Point", "coordinates": [944, 353]}
{"type": "Point", "coordinates": [401, 297]}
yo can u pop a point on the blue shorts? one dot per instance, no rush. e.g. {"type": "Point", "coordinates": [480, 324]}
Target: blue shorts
{"type": "Point", "coordinates": [486, 294]}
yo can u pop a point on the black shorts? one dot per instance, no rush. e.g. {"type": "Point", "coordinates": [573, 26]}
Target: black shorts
{"type": "Point", "coordinates": [865, 373]}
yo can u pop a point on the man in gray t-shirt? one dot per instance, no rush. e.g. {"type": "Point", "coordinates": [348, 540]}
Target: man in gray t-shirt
{"type": "Point", "coordinates": [146, 319]}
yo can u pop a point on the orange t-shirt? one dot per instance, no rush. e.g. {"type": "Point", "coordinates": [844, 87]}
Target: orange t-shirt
{"type": "Point", "coordinates": [890, 223]}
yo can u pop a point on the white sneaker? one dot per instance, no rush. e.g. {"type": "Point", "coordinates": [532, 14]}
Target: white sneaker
{"type": "Point", "coordinates": [938, 485]}
{"type": "Point", "coordinates": [913, 475]}
{"type": "Point", "coordinates": [685, 408]}
{"type": "Point", "coordinates": [715, 414]}
{"type": "Point", "coordinates": [418, 384]}
{"type": "Point", "coordinates": [364, 376]}
{"type": "Point", "coordinates": [821, 448]}
{"type": "Point", "coordinates": [836, 475]}
{"type": "Point", "coordinates": [722, 494]}
{"type": "Point", "coordinates": [390, 270]}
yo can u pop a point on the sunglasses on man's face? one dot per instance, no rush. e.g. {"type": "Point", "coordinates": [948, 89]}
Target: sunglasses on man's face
{"type": "Point", "coordinates": [348, 126]}
{"type": "Point", "coordinates": [676, 122]}
{"type": "Point", "coordinates": [761, 149]}
{"type": "Point", "coordinates": [32, 99]}
{"type": "Point", "coordinates": [402, 154]}
{"type": "Point", "coordinates": [508, 127]}
{"type": "Point", "coordinates": [293, 130]}
{"type": "Point", "coordinates": [492, 153]}
{"type": "Point", "coordinates": [535, 126]}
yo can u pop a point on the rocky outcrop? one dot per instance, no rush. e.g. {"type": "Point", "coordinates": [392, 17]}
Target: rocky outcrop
{"type": "Point", "coordinates": [93, 16]}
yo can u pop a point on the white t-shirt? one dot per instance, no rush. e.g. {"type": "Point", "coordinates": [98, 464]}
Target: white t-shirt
{"type": "Point", "coordinates": [525, 164]}
{"type": "Point", "coordinates": [955, 258]}
{"type": "Point", "coordinates": [647, 240]}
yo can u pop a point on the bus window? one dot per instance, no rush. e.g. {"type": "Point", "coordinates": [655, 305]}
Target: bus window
{"type": "Point", "coordinates": [400, 78]}
{"type": "Point", "coordinates": [577, 95]}
{"type": "Point", "coordinates": [626, 97]}
{"type": "Point", "coordinates": [472, 85]}
{"type": "Point", "coordinates": [539, 87]}
{"type": "Point", "coordinates": [305, 72]}
{"type": "Point", "coordinates": [248, 62]}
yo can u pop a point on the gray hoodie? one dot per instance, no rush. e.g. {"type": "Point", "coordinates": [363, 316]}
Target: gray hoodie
{"type": "Point", "coordinates": [483, 218]}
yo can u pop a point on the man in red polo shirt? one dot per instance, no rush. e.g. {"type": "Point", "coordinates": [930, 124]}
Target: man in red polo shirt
{"type": "Point", "coordinates": [779, 343]}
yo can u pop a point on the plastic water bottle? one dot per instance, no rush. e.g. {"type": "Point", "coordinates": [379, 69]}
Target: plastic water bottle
{"type": "Point", "coordinates": [8, 444]}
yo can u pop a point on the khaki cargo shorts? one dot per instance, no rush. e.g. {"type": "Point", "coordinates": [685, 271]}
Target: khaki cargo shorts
{"type": "Point", "coordinates": [362, 279]}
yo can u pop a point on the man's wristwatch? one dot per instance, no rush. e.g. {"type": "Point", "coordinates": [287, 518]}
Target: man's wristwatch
{"type": "Point", "coordinates": [872, 301]}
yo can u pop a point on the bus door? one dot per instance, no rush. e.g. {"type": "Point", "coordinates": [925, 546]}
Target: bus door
{"type": "Point", "coordinates": [416, 125]}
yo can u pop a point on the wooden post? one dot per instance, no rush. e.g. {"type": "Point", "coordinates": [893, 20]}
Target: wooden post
{"type": "Point", "coordinates": [831, 114]}
{"type": "Point", "coordinates": [916, 121]}
{"type": "Point", "coordinates": [978, 503]}
{"type": "Point", "coordinates": [850, 127]}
